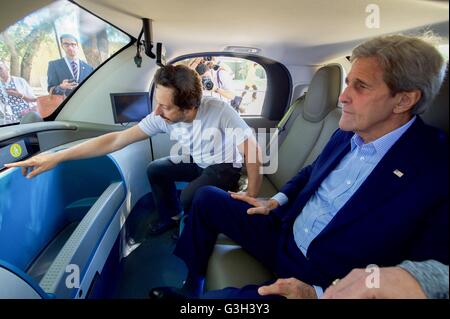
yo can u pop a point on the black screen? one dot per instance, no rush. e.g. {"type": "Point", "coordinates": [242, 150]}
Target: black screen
{"type": "Point", "coordinates": [130, 107]}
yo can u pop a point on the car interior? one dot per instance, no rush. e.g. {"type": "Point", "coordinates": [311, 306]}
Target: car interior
{"type": "Point", "coordinates": [94, 213]}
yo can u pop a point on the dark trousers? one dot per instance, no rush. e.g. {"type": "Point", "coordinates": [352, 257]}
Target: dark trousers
{"type": "Point", "coordinates": [163, 173]}
{"type": "Point", "coordinates": [213, 212]}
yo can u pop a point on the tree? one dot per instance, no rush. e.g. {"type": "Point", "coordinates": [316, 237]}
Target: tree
{"type": "Point", "coordinates": [22, 41]}
{"type": "Point", "coordinates": [14, 67]}
{"type": "Point", "coordinates": [96, 48]}
{"type": "Point", "coordinates": [34, 40]}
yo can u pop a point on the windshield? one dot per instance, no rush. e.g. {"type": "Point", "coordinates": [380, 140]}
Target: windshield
{"type": "Point", "coordinates": [49, 53]}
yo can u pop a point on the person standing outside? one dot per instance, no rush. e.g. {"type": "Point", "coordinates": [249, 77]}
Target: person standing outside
{"type": "Point", "coordinates": [64, 75]}
{"type": "Point", "coordinates": [15, 92]}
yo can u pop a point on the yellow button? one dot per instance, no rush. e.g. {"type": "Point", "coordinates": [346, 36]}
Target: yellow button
{"type": "Point", "coordinates": [15, 150]}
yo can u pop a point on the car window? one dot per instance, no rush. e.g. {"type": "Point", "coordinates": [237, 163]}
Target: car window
{"type": "Point", "coordinates": [443, 49]}
{"type": "Point", "coordinates": [47, 54]}
{"type": "Point", "coordinates": [240, 82]}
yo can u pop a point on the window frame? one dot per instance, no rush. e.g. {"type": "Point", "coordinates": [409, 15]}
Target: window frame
{"type": "Point", "coordinates": [132, 41]}
{"type": "Point", "coordinates": [279, 82]}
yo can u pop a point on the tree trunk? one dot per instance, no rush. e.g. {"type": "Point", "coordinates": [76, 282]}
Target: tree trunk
{"type": "Point", "coordinates": [96, 48]}
{"type": "Point", "coordinates": [91, 52]}
{"type": "Point", "coordinates": [34, 40]}
{"type": "Point", "coordinates": [103, 45]}
{"type": "Point", "coordinates": [14, 67]}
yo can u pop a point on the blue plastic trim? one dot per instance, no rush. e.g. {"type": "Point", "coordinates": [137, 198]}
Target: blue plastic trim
{"type": "Point", "coordinates": [94, 251]}
{"type": "Point", "coordinates": [25, 277]}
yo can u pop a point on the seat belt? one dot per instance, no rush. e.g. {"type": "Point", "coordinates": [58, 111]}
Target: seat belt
{"type": "Point", "coordinates": [279, 137]}
{"type": "Point", "coordinates": [281, 126]}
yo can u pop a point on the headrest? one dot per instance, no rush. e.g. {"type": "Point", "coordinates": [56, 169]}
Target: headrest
{"type": "Point", "coordinates": [437, 112]}
{"type": "Point", "coordinates": [323, 93]}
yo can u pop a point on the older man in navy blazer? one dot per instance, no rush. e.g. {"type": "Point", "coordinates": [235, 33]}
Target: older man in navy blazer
{"type": "Point", "coordinates": [377, 194]}
{"type": "Point", "coordinates": [64, 74]}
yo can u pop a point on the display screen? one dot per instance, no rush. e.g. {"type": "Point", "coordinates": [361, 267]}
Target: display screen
{"type": "Point", "coordinates": [130, 107]}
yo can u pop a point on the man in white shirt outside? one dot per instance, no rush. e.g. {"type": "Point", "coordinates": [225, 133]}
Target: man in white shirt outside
{"type": "Point", "coordinates": [16, 93]}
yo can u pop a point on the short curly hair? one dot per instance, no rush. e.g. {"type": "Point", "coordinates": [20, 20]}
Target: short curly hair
{"type": "Point", "coordinates": [185, 82]}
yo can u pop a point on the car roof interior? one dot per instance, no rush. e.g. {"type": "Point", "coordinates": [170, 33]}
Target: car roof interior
{"type": "Point", "coordinates": [298, 32]}
{"type": "Point", "coordinates": [303, 46]}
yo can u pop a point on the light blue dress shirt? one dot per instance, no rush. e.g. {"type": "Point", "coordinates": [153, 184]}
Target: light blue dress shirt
{"type": "Point", "coordinates": [339, 186]}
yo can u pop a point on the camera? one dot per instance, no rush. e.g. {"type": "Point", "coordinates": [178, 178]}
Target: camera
{"type": "Point", "coordinates": [201, 69]}
{"type": "Point", "coordinates": [207, 83]}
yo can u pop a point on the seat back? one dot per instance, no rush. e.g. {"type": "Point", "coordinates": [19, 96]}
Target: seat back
{"type": "Point", "coordinates": [306, 134]}
{"type": "Point", "coordinates": [437, 113]}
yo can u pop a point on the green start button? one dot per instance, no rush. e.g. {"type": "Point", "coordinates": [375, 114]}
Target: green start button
{"type": "Point", "coordinates": [13, 152]}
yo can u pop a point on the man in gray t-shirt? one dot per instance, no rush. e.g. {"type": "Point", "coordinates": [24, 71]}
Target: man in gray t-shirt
{"type": "Point", "coordinates": [212, 144]}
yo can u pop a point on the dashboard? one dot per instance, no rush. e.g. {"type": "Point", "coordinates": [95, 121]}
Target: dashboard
{"type": "Point", "coordinates": [17, 149]}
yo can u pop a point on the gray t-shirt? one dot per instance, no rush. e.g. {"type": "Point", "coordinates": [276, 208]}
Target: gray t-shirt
{"type": "Point", "coordinates": [212, 138]}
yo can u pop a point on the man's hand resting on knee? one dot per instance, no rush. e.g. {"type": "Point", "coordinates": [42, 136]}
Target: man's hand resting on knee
{"type": "Point", "coordinates": [261, 206]}
{"type": "Point", "coordinates": [290, 288]}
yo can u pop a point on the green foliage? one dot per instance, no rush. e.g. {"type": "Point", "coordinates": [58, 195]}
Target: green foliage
{"type": "Point", "coordinates": [20, 42]}
{"type": "Point", "coordinates": [4, 52]}
{"type": "Point", "coordinates": [20, 35]}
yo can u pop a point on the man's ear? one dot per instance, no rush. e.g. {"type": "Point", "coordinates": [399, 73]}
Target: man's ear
{"type": "Point", "coordinates": [188, 110]}
{"type": "Point", "coordinates": [407, 101]}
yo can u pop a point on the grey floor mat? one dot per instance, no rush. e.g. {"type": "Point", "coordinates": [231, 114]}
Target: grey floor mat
{"type": "Point", "coordinates": [152, 264]}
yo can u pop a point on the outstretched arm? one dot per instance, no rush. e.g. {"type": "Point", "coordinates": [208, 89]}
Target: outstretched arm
{"type": "Point", "coordinates": [95, 147]}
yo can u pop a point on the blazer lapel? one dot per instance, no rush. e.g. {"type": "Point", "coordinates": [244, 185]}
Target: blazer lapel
{"type": "Point", "coordinates": [324, 167]}
{"type": "Point", "coordinates": [67, 72]}
{"type": "Point", "coordinates": [82, 71]}
{"type": "Point", "coordinates": [388, 178]}
{"type": "Point", "coordinates": [327, 166]}
{"type": "Point", "coordinates": [85, 70]}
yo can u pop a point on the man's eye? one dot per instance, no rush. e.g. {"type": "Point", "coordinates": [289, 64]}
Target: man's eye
{"type": "Point", "coordinates": [361, 86]}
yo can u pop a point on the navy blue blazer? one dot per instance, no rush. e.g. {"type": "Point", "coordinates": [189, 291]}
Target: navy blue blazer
{"type": "Point", "coordinates": [58, 70]}
{"type": "Point", "coordinates": [389, 218]}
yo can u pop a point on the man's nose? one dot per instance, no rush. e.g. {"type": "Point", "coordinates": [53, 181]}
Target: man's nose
{"type": "Point", "coordinates": [158, 110]}
{"type": "Point", "coordinates": [344, 97]}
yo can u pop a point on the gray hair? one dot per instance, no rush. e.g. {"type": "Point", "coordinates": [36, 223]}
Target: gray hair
{"type": "Point", "coordinates": [408, 63]}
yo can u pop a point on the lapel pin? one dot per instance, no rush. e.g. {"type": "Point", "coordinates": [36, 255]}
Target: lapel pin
{"type": "Point", "coordinates": [398, 173]}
